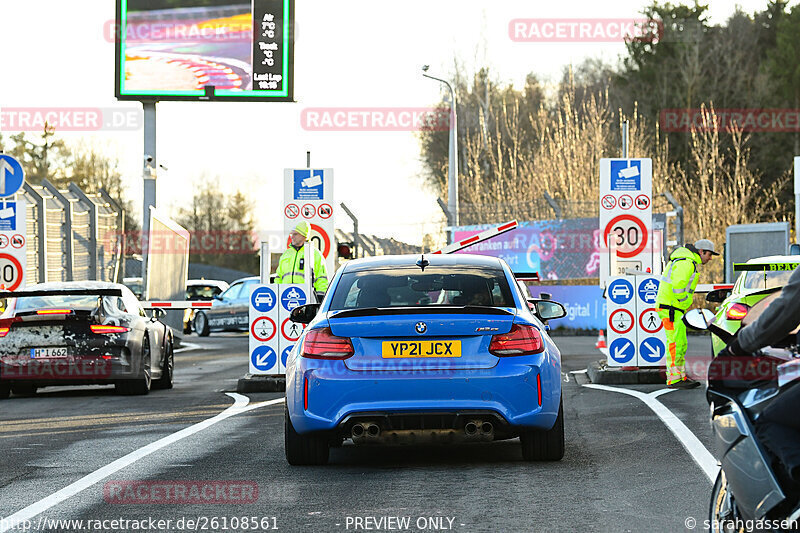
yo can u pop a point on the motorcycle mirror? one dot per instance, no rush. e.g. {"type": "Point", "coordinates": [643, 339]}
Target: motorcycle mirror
{"type": "Point", "coordinates": [698, 319]}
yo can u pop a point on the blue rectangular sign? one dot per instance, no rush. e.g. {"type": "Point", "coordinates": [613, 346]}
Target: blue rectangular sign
{"type": "Point", "coordinates": [308, 185]}
{"type": "Point", "coordinates": [626, 175]}
{"type": "Point", "coordinates": [8, 216]}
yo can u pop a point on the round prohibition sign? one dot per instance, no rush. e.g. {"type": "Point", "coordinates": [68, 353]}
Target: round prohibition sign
{"type": "Point", "coordinates": [642, 201]}
{"type": "Point", "coordinates": [621, 321]}
{"type": "Point", "coordinates": [17, 241]}
{"type": "Point", "coordinates": [3, 240]}
{"type": "Point", "coordinates": [631, 235]}
{"type": "Point", "coordinates": [10, 272]}
{"type": "Point", "coordinates": [309, 211]}
{"type": "Point", "coordinates": [325, 211]}
{"type": "Point", "coordinates": [625, 201]}
{"type": "Point", "coordinates": [292, 211]}
{"type": "Point", "coordinates": [291, 330]}
{"type": "Point", "coordinates": [650, 321]}
{"type": "Point", "coordinates": [608, 202]}
{"type": "Point", "coordinates": [263, 329]}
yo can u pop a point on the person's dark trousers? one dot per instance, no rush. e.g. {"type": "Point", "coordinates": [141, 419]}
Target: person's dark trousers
{"type": "Point", "coordinates": [778, 428]}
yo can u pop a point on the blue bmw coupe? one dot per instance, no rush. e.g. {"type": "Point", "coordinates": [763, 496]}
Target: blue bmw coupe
{"type": "Point", "coordinates": [432, 349]}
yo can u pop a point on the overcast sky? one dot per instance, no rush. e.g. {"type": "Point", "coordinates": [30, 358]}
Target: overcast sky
{"type": "Point", "coordinates": [349, 53]}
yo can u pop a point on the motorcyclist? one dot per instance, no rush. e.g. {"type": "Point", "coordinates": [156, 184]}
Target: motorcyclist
{"type": "Point", "coordinates": [778, 427]}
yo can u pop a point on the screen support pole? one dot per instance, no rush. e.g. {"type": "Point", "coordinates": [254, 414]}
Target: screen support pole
{"type": "Point", "coordinates": [149, 179]}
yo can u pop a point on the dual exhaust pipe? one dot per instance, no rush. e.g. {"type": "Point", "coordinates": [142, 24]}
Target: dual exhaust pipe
{"type": "Point", "coordinates": [365, 430]}
{"type": "Point", "coordinates": [475, 428]}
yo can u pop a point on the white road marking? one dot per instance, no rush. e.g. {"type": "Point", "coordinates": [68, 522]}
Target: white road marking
{"type": "Point", "coordinates": [699, 453]}
{"type": "Point", "coordinates": [240, 405]}
{"type": "Point", "coordinates": [186, 346]}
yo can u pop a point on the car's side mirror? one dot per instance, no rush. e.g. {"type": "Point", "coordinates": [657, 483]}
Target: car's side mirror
{"type": "Point", "coordinates": [305, 313]}
{"type": "Point", "coordinates": [699, 319]}
{"type": "Point", "coordinates": [718, 295]}
{"type": "Point", "coordinates": [548, 309]}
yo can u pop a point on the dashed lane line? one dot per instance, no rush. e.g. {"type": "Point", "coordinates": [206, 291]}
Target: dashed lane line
{"type": "Point", "coordinates": [240, 405]}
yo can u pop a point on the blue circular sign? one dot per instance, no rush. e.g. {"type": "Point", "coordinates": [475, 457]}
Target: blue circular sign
{"type": "Point", "coordinates": [11, 176]}
{"type": "Point", "coordinates": [652, 350]}
{"type": "Point", "coordinates": [620, 291]}
{"type": "Point", "coordinates": [293, 297]}
{"type": "Point", "coordinates": [285, 354]}
{"type": "Point", "coordinates": [263, 358]}
{"type": "Point", "coordinates": [263, 299]}
{"type": "Point", "coordinates": [622, 350]}
{"type": "Point", "coordinates": [648, 288]}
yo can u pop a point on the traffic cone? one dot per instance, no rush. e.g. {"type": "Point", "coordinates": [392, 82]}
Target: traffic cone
{"type": "Point", "coordinates": [601, 340]}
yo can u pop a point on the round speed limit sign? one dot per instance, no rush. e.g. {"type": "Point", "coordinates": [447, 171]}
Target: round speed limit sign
{"type": "Point", "coordinates": [10, 272]}
{"type": "Point", "coordinates": [630, 235]}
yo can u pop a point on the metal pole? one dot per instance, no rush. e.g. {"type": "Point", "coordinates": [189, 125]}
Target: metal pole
{"type": "Point", "coordinates": [797, 199]}
{"type": "Point", "coordinates": [308, 159]}
{"type": "Point", "coordinates": [624, 139]}
{"type": "Point", "coordinates": [452, 171]}
{"type": "Point", "coordinates": [149, 175]}
{"type": "Point", "coordinates": [451, 233]}
{"type": "Point", "coordinates": [266, 260]}
{"type": "Point", "coordinates": [355, 229]}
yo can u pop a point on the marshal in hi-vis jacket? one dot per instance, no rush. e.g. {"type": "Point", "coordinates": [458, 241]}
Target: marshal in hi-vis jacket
{"type": "Point", "coordinates": [679, 280]}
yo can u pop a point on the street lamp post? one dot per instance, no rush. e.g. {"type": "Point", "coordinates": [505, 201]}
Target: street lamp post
{"type": "Point", "coordinates": [452, 172]}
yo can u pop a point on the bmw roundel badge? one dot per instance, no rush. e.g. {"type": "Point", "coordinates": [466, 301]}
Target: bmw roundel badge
{"type": "Point", "coordinates": [420, 327]}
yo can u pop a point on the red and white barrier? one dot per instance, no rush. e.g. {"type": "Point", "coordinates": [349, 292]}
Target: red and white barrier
{"type": "Point", "coordinates": [708, 287]}
{"type": "Point", "coordinates": [177, 305]}
{"type": "Point", "coordinates": [480, 237]}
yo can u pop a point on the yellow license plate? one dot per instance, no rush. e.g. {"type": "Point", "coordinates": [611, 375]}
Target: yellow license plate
{"type": "Point", "coordinates": [393, 349]}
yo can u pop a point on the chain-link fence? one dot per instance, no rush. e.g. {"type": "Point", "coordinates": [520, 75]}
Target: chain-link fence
{"type": "Point", "coordinates": [72, 235]}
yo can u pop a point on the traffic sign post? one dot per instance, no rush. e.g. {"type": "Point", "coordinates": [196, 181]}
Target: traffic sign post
{"type": "Point", "coordinates": [308, 196]}
{"type": "Point", "coordinates": [12, 177]}
{"type": "Point", "coordinates": [272, 333]}
{"type": "Point", "coordinates": [13, 246]}
{"type": "Point", "coordinates": [626, 216]}
{"type": "Point", "coordinates": [635, 332]}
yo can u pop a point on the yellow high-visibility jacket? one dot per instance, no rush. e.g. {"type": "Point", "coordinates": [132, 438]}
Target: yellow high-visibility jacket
{"type": "Point", "coordinates": [679, 280]}
{"type": "Point", "coordinates": [291, 269]}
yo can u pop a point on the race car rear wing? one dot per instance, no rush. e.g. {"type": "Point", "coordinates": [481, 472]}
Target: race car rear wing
{"type": "Point", "coordinates": [60, 292]}
{"type": "Point", "coordinates": [764, 267]}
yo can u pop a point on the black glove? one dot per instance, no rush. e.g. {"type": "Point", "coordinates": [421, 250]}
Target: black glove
{"type": "Point", "coordinates": [733, 349]}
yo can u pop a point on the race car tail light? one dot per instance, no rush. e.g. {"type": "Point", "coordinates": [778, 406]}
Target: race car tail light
{"type": "Point", "coordinates": [53, 312]}
{"type": "Point", "coordinates": [101, 329]}
{"type": "Point", "coordinates": [322, 344]}
{"type": "Point", "coordinates": [737, 312]}
{"type": "Point", "coordinates": [521, 340]}
{"type": "Point", "coordinates": [3, 332]}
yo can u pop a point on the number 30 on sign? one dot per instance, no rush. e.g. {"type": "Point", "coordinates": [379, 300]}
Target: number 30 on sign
{"type": "Point", "coordinates": [11, 272]}
{"type": "Point", "coordinates": [630, 234]}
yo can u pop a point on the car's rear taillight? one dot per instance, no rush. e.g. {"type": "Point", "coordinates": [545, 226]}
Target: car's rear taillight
{"type": "Point", "coordinates": [53, 312]}
{"type": "Point", "coordinates": [737, 312]}
{"type": "Point", "coordinates": [322, 344]}
{"type": "Point", "coordinates": [521, 340]}
{"type": "Point", "coordinates": [100, 329]}
{"type": "Point", "coordinates": [4, 332]}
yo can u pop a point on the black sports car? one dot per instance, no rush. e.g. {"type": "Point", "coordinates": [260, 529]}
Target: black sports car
{"type": "Point", "coordinates": [79, 333]}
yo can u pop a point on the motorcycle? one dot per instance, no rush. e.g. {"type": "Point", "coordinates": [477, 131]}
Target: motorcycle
{"type": "Point", "coordinates": [751, 492]}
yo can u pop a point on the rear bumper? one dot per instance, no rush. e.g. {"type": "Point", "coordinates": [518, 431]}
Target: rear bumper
{"type": "Point", "coordinates": [509, 389]}
{"type": "Point", "coordinates": [62, 371]}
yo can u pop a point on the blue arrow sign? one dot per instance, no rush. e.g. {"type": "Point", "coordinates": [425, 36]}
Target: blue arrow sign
{"type": "Point", "coordinates": [11, 176]}
{"type": "Point", "coordinates": [263, 299]}
{"type": "Point", "coordinates": [622, 350]}
{"type": "Point", "coordinates": [620, 291]}
{"type": "Point", "coordinates": [293, 297]}
{"type": "Point", "coordinates": [263, 358]}
{"type": "Point", "coordinates": [648, 288]}
{"type": "Point", "coordinates": [285, 354]}
{"type": "Point", "coordinates": [651, 350]}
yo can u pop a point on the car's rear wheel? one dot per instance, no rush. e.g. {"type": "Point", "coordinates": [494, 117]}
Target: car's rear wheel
{"type": "Point", "coordinates": [167, 369]}
{"type": "Point", "coordinates": [24, 389]}
{"type": "Point", "coordinates": [304, 449]}
{"type": "Point", "coordinates": [141, 384]}
{"type": "Point", "coordinates": [545, 445]}
{"type": "Point", "coordinates": [201, 324]}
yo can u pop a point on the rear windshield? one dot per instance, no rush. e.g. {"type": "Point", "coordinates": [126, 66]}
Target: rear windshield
{"type": "Point", "coordinates": [409, 286]}
{"type": "Point", "coordinates": [202, 292]}
{"type": "Point", "coordinates": [766, 280]}
{"type": "Point", "coordinates": [36, 303]}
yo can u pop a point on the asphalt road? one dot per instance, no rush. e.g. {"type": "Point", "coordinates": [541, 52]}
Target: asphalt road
{"type": "Point", "coordinates": [623, 469]}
